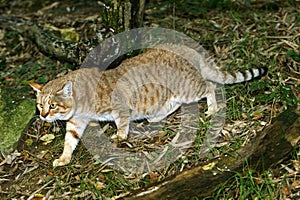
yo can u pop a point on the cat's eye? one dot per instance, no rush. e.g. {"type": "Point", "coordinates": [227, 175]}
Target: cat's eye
{"type": "Point", "coordinates": [52, 106]}
{"type": "Point", "coordinates": [40, 105]}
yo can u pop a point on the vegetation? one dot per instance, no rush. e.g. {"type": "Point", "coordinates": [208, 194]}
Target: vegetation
{"type": "Point", "coordinates": [238, 34]}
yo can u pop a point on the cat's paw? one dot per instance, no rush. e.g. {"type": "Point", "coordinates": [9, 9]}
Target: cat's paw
{"type": "Point", "coordinates": [119, 137]}
{"type": "Point", "coordinates": [212, 109]}
{"type": "Point", "coordinates": [61, 161]}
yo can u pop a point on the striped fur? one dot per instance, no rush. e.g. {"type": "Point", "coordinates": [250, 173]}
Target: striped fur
{"type": "Point", "coordinates": [222, 77]}
{"type": "Point", "coordinates": [149, 86]}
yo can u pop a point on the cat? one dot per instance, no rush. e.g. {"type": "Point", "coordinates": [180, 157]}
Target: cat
{"type": "Point", "coordinates": [149, 86]}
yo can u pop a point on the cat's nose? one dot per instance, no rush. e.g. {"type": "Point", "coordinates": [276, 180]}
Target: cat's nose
{"type": "Point", "coordinates": [44, 114]}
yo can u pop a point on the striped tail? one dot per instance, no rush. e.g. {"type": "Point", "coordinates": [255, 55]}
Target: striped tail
{"type": "Point", "coordinates": [224, 77]}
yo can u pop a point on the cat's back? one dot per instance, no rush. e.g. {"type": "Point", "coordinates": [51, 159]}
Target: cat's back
{"type": "Point", "coordinates": [155, 66]}
{"type": "Point", "coordinates": [162, 56]}
{"type": "Point", "coordinates": [77, 77]}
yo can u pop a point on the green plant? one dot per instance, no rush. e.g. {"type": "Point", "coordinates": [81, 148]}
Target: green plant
{"type": "Point", "coordinates": [292, 54]}
{"type": "Point", "coordinates": [249, 186]}
{"type": "Point", "coordinates": [111, 16]}
{"type": "Point", "coordinates": [282, 93]}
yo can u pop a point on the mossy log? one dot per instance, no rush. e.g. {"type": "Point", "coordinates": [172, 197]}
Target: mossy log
{"type": "Point", "coordinates": [267, 149]}
{"type": "Point", "coordinates": [47, 43]}
{"type": "Point", "coordinates": [15, 112]}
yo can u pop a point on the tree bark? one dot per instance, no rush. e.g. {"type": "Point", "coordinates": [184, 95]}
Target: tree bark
{"type": "Point", "coordinates": [267, 149]}
{"type": "Point", "coordinates": [137, 13]}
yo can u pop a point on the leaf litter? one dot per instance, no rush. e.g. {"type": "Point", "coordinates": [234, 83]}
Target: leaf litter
{"type": "Point", "coordinates": [231, 36]}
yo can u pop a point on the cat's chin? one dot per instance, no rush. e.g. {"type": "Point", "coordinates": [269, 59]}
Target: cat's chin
{"type": "Point", "coordinates": [66, 116]}
{"type": "Point", "coordinates": [47, 120]}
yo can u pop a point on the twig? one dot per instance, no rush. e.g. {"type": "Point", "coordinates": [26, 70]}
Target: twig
{"type": "Point", "coordinates": [279, 37]}
{"type": "Point", "coordinates": [41, 188]}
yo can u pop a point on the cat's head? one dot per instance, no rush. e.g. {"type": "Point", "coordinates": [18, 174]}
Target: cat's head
{"type": "Point", "coordinates": [53, 103]}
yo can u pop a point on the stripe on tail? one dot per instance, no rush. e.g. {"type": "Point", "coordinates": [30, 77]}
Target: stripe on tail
{"type": "Point", "coordinates": [237, 77]}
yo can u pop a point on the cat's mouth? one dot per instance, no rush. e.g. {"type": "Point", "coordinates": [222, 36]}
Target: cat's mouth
{"type": "Point", "coordinates": [46, 119]}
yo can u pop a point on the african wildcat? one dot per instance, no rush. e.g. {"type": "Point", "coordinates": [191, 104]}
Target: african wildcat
{"type": "Point", "coordinates": [150, 86]}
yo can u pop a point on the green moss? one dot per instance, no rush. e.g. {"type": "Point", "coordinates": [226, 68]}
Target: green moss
{"type": "Point", "coordinates": [14, 116]}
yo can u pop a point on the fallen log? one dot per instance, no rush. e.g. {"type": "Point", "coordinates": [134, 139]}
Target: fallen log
{"type": "Point", "coordinates": [47, 43]}
{"type": "Point", "coordinates": [73, 52]}
{"type": "Point", "coordinates": [268, 148]}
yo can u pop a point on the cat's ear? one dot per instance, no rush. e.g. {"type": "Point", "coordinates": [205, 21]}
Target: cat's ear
{"type": "Point", "coordinates": [36, 87]}
{"type": "Point", "coordinates": [67, 90]}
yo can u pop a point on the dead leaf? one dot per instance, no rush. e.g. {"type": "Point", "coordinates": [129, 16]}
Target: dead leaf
{"type": "Point", "coordinates": [47, 137]}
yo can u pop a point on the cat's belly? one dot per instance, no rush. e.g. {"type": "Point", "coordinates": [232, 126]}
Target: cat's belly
{"type": "Point", "coordinates": [104, 117]}
{"type": "Point", "coordinates": [156, 113]}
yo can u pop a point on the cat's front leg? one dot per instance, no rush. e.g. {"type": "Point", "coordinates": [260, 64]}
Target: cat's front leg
{"type": "Point", "coordinates": [75, 130]}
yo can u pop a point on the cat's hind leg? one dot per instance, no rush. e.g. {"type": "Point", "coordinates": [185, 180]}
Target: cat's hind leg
{"type": "Point", "coordinates": [211, 100]}
{"type": "Point", "coordinates": [167, 111]}
{"type": "Point", "coordinates": [211, 104]}
{"type": "Point", "coordinates": [122, 120]}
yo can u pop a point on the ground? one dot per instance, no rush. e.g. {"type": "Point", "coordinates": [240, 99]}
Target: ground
{"type": "Point", "coordinates": [238, 35]}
